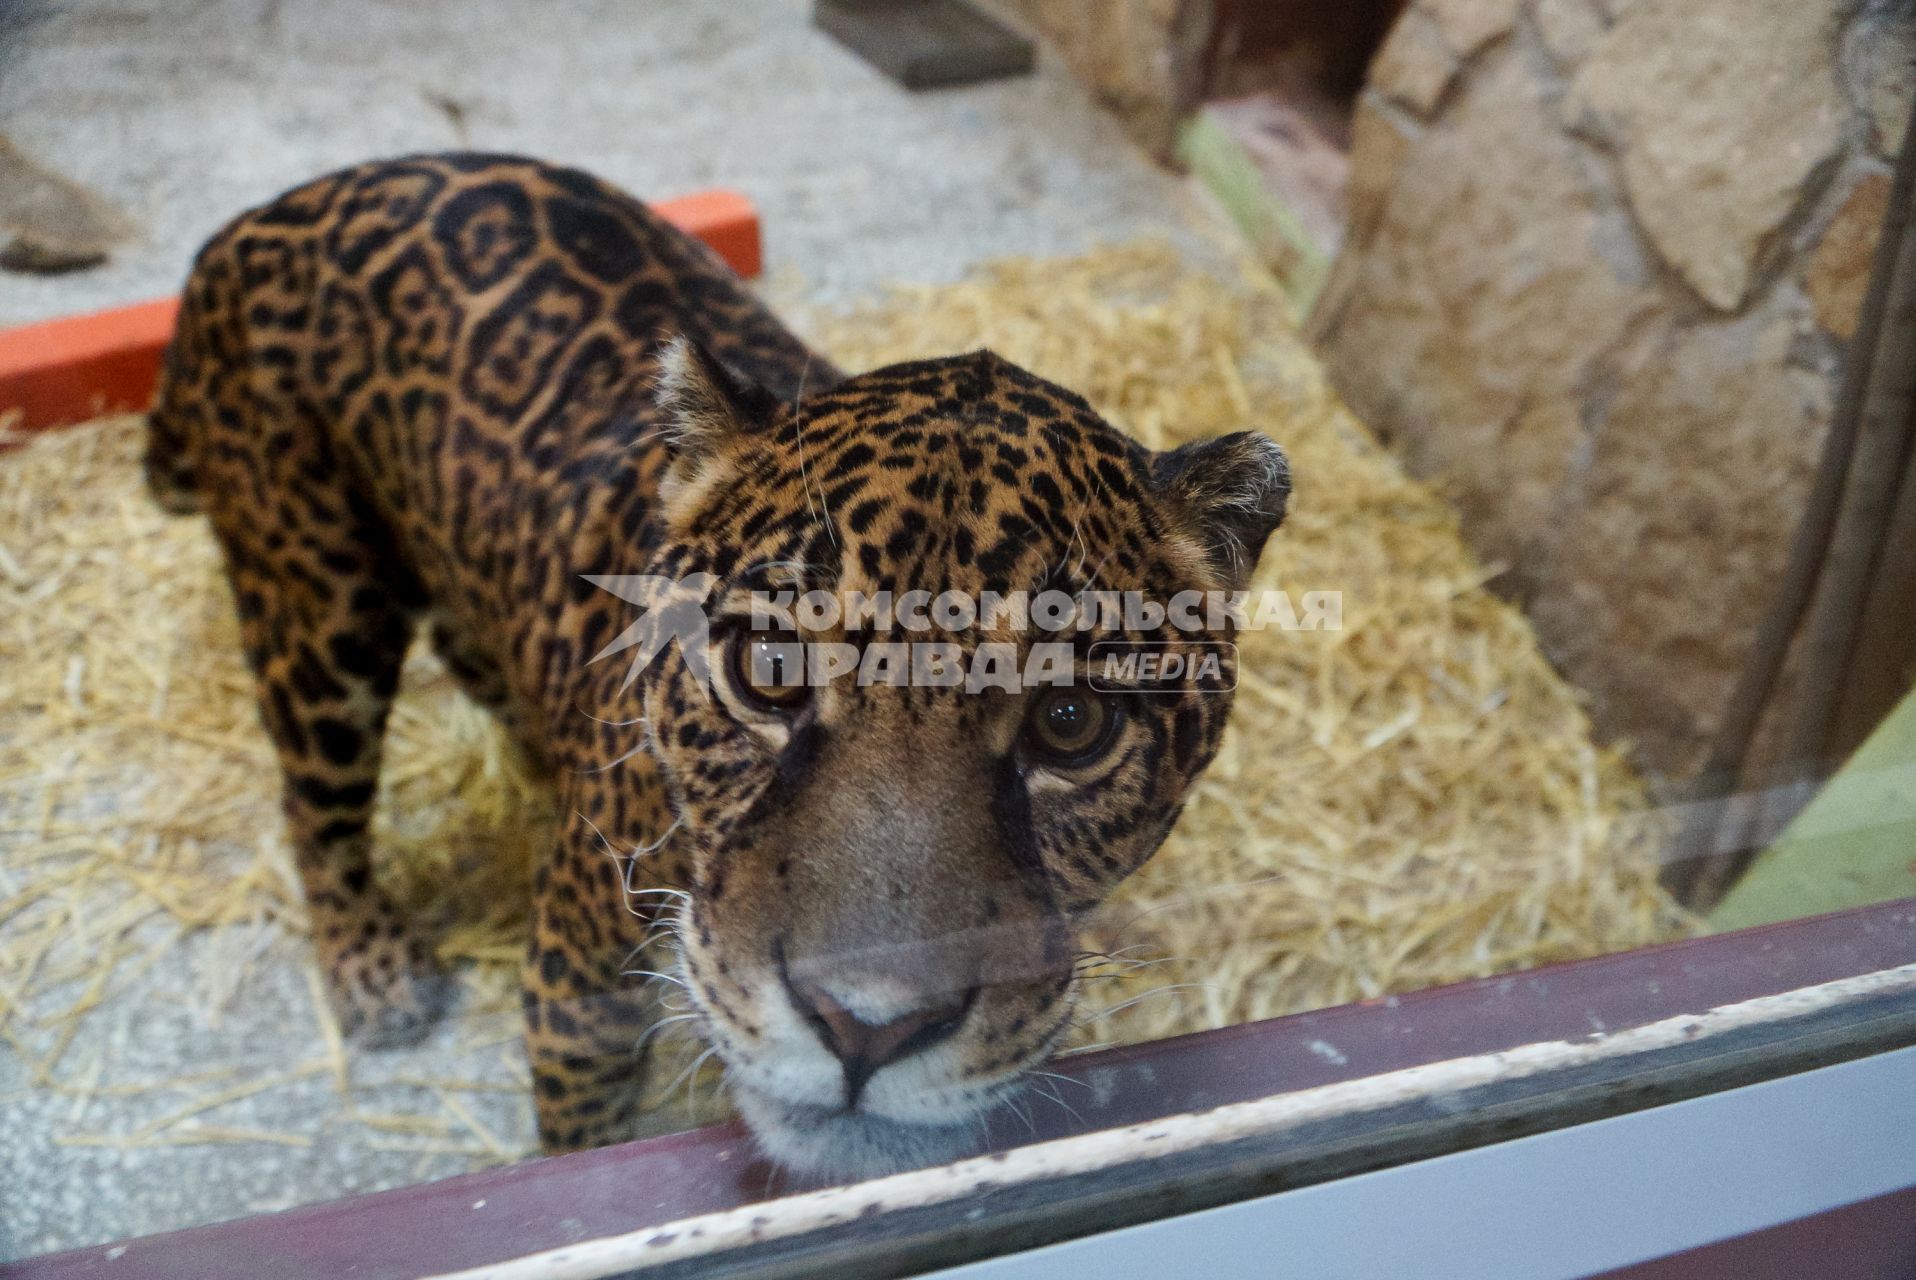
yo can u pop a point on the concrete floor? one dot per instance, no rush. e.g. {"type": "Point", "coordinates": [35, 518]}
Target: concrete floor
{"type": "Point", "coordinates": [183, 112]}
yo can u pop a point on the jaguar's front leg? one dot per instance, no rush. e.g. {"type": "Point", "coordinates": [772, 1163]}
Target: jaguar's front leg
{"type": "Point", "coordinates": [586, 1015]}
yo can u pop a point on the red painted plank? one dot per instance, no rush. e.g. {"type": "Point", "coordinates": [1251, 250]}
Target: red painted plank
{"type": "Point", "coordinates": [79, 367]}
{"type": "Point", "coordinates": [725, 221]}
{"type": "Point", "coordinates": [68, 370]}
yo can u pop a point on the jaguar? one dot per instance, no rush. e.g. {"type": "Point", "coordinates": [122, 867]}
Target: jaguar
{"type": "Point", "coordinates": [460, 396]}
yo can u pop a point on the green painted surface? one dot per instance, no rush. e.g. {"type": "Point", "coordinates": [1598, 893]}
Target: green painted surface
{"type": "Point", "coordinates": [1853, 845]}
{"type": "Point", "coordinates": [1220, 163]}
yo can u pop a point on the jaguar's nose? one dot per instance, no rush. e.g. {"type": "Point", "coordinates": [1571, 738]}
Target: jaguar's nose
{"type": "Point", "coordinates": [864, 1047]}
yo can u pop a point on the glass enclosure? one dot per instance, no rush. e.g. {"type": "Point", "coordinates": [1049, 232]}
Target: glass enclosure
{"type": "Point", "coordinates": [1424, 561]}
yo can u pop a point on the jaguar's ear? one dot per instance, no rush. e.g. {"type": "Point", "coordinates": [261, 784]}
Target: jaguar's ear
{"type": "Point", "coordinates": [705, 403]}
{"type": "Point", "coordinates": [705, 406]}
{"type": "Point", "coordinates": [1231, 493]}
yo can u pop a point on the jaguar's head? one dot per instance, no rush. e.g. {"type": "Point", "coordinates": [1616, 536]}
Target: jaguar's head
{"type": "Point", "coordinates": [887, 862]}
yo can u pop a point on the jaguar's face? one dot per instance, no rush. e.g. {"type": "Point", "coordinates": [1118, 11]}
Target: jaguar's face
{"type": "Point", "coordinates": [888, 863]}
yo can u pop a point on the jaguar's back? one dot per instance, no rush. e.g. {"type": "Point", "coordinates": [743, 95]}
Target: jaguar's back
{"type": "Point", "coordinates": [466, 341]}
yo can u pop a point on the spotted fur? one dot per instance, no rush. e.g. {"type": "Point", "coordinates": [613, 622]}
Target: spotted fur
{"type": "Point", "coordinates": [439, 393]}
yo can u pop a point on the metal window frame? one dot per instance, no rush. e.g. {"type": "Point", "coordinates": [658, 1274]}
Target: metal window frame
{"type": "Point", "coordinates": [1812, 1174]}
{"type": "Point", "coordinates": [1161, 1130]}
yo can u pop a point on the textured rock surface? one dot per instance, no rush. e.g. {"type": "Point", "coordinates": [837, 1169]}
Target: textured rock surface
{"type": "Point", "coordinates": [1463, 350]}
{"type": "Point", "coordinates": [1468, 25]}
{"type": "Point", "coordinates": [1570, 28]}
{"type": "Point", "coordinates": [1720, 111]}
{"type": "Point", "coordinates": [1376, 133]}
{"type": "Point", "coordinates": [48, 223]}
{"type": "Point", "coordinates": [1138, 56]}
{"type": "Point", "coordinates": [1601, 283]}
{"type": "Point", "coordinates": [1839, 266]}
{"type": "Point", "coordinates": [1415, 64]}
{"type": "Point", "coordinates": [1681, 519]}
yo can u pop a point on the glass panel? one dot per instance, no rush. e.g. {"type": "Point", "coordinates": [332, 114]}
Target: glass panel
{"type": "Point", "coordinates": [512, 682]}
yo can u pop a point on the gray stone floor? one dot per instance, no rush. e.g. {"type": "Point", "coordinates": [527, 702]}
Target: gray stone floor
{"type": "Point", "coordinates": [182, 112]}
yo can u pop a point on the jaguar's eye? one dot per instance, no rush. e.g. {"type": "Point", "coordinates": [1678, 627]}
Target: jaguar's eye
{"type": "Point", "coordinates": [1070, 725]}
{"type": "Point", "coordinates": [768, 670]}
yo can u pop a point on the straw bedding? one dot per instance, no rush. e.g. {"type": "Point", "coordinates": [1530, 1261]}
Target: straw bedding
{"type": "Point", "coordinates": [1411, 799]}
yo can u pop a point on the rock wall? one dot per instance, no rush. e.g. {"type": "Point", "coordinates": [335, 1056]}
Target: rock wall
{"type": "Point", "coordinates": [1139, 57]}
{"type": "Point", "coordinates": [1603, 260]}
